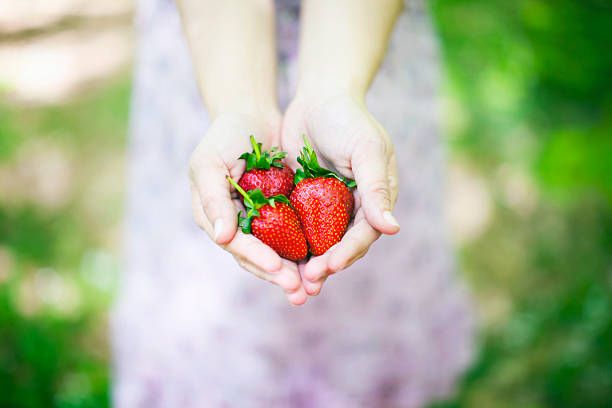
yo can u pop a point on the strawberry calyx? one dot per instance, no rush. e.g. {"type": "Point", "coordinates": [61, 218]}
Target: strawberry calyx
{"type": "Point", "coordinates": [253, 201]}
{"type": "Point", "coordinates": [259, 159]}
{"type": "Point", "coordinates": [312, 169]}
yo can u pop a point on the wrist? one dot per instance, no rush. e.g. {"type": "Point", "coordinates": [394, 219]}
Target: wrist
{"type": "Point", "coordinates": [243, 104]}
{"type": "Point", "coordinates": [264, 125]}
{"type": "Point", "coordinates": [314, 99]}
{"type": "Point", "coordinates": [319, 88]}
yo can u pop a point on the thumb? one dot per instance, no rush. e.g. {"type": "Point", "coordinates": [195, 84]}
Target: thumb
{"type": "Point", "coordinates": [370, 166]}
{"type": "Point", "coordinates": [214, 192]}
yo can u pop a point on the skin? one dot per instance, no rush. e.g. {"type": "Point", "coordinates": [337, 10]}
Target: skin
{"type": "Point", "coordinates": [233, 49]}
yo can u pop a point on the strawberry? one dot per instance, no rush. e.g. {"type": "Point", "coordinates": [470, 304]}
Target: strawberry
{"type": "Point", "coordinates": [323, 202]}
{"type": "Point", "coordinates": [265, 171]}
{"type": "Point", "coordinates": [274, 222]}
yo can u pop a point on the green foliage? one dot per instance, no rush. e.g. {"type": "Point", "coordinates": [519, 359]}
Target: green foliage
{"type": "Point", "coordinates": [528, 87]}
{"type": "Point", "coordinates": [54, 351]}
{"type": "Point", "coordinates": [523, 74]}
{"type": "Point", "coordinates": [43, 361]}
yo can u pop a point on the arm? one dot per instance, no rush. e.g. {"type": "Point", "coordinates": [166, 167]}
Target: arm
{"type": "Point", "coordinates": [342, 45]}
{"type": "Point", "coordinates": [233, 52]}
{"type": "Point", "coordinates": [232, 48]}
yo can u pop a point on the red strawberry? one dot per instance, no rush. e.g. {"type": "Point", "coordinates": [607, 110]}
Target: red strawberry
{"type": "Point", "coordinates": [271, 182]}
{"type": "Point", "coordinates": [274, 222]}
{"type": "Point", "coordinates": [266, 172]}
{"type": "Point", "coordinates": [323, 202]}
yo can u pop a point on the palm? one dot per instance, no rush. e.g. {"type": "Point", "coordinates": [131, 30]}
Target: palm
{"type": "Point", "coordinates": [213, 160]}
{"type": "Point", "coordinates": [333, 128]}
{"type": "Point", "coordinates": [348, 139]}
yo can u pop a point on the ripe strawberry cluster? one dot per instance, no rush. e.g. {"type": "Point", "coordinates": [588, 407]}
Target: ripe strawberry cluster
{"type": "Point", "coordinates": [293, 213]}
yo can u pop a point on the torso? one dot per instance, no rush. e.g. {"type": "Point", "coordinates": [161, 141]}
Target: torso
{"type": "Point", "coordinates": [190, 328]}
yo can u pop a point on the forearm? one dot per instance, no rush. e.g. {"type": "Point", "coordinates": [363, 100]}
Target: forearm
{"type": "Point", "coordinates": [343, 43]}
{"type": "Point", "coordinates": [233, 52]}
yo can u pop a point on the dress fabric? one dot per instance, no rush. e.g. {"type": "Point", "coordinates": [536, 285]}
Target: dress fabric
{"type": "Point", "coordinates": [192, 329]}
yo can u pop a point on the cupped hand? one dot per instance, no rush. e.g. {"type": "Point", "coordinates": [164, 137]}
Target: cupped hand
{"type": "Point", "coordinates": [346, 137]}
{"type": "Point", "coordinates": [214, 209]}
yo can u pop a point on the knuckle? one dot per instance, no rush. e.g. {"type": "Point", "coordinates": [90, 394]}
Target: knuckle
{"type": "Point", "coordinates": [392, 183]}
{"type": "Point", "coordinates": [379, 190]}
{"type": "Point", "coordinates": [376, 146]}
{"type": "Point", "coordinates": [393, 188]}
{"type": "Point", "coordinates": [367, 147]}
{"type": "Point", "coordinates": [193, 163]}
{"type": "Point", "coordinates": [243, 264]}
{"type": "Point", "coordinates": [203, 159]}
{"type": "Point", "coordinates": [199, 222]}
{"type": "Point", "coordinates": [290, 284]}
{"type": "Point", "coordinates": [357, 257]}
{"type": "Point", "coordinates": [253, 246]}
{"type": "Point", "coordinates": [209, 205]}
{"type": "Point", "coordinates": [359, 243]}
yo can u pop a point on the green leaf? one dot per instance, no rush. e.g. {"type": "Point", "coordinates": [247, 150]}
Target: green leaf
{"type": "Point", "coordinates": [245, 223]}
{"type": "Point", "coordinates": [263, 163]}
{"type": "Point", "coordinates": [311, 168]}
{"type": "Point", "coordinates": [263, 159]}
{"type": "Point", "coordinates": [300, 175]}
{"type": "Point", "coordinates": [280, 199]}
{"type": "Point", "coordinates": [257, 196]}
{"type": "Point", "coordinates": [253, 201]}
{"type": "Point", "coordinates": [279, 156]}
{"type": "Point", "coordinates": [251, 162]}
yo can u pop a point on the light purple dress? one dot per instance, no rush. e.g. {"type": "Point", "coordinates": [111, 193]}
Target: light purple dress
{"type": "Point", "coordinates": [192, 329]}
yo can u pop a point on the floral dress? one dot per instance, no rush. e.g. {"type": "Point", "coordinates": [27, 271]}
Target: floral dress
{"type": "Point", "coordinates": [192, 329]}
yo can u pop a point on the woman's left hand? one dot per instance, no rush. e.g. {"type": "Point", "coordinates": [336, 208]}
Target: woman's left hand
{"type": "Point", "coordinates": [345, 135]}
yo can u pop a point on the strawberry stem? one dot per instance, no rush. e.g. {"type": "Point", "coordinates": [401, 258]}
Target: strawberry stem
{"type": "Point", "coordinates": [256, 149]}
{"type": "Point", "coordinates": [241, 191]}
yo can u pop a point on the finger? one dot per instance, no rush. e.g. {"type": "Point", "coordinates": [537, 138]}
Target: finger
{"type": "Point", "coordinates": [208, 176]}
{"type": "Point", "coordinates": [249, 267]}
{"type": "Point", "coordinates": [369, 164]}
{"type": "Point", "coordinates": [252, 250]}
{"type": "Point", "coordinates": [321, 282]}
{"type": "Point", "coordinates": [244, 246]}
{"type": "Point", "coordinates": [312, 288]}
{"type": "Point", "coordinates": [316, 267]}
{"type": "Point", "coordinates": [392, 178]}
{"type": "Point", "coordinates": [198, 212]}
{"type": "Point", "coordinates": [287, 278]}
{"type": "Point", "coordinates": [353, 246]}
{"type": "Point", "coordinates": [298, 298]}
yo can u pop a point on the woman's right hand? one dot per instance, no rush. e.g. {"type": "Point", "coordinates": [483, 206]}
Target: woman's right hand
{"type": "Point", "coordinates": [214, 208]}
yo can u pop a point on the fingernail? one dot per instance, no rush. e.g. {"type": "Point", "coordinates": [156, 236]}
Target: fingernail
{"type": "Point", "coordinates": [218, 228]}
{"type": "Point", "coordinates": [390, 218]}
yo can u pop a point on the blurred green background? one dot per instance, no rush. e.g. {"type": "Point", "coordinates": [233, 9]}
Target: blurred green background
{"type": "Point", "coordinates": [528, 119]}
